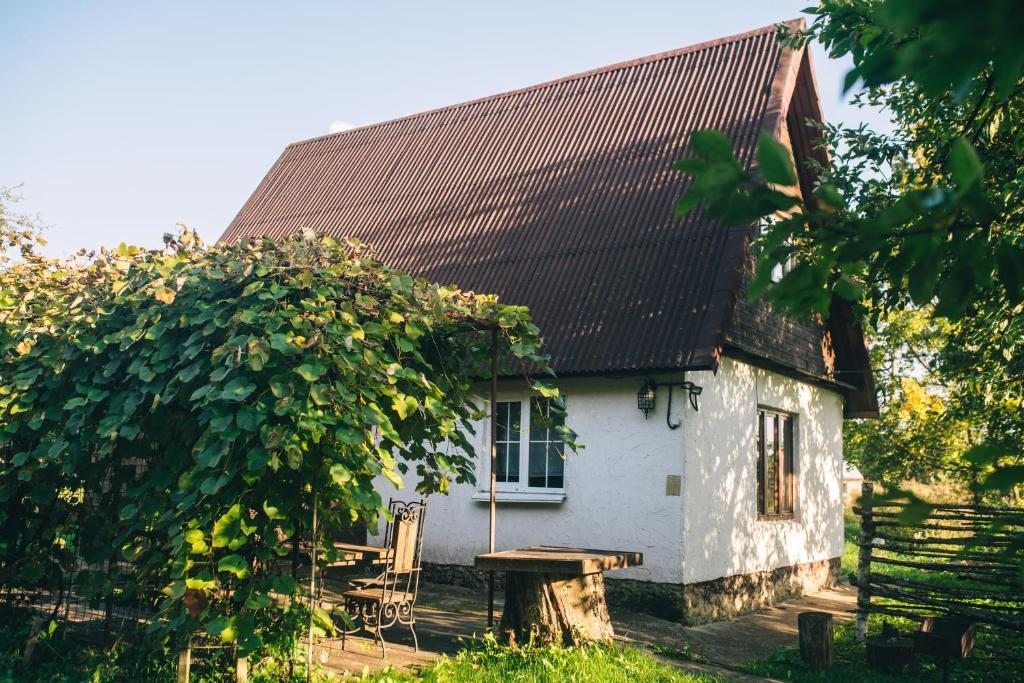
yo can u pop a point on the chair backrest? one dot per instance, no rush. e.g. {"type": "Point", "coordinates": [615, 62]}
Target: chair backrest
{"type": "Point", "coordinates": [406, 544]}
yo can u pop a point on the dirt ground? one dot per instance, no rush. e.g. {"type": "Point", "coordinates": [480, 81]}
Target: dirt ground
{"type": "Point", "coordinates": [448, 615]}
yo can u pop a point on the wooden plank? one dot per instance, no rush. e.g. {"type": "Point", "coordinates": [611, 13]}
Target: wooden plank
{"type": "Point", "coordinates": [558, 560]}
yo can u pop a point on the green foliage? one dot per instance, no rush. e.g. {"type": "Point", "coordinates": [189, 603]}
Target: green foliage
{"type": "Point", "coordinates": [926, 218]}
{"type": "Point", "coordinates": [60, 656]}
{"type": "Point", "coordinates": [919, 435]}
{"type": "Point", "coordinates": [850, 663]}
{"type": "Point", "coordinates": [186, 409]}
{"type": "Point", "coordinates": [489, 662]}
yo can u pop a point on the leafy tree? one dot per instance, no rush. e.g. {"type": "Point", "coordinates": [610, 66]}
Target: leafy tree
{"type": "Point", "coordinates": [928, 217]}
{"type": "Point", "coordinates": [190, 409]}
{"type": "Point", "coordinates": [918, 435]}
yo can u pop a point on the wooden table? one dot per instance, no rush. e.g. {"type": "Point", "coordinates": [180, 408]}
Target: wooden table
{"type": "Point", "coordinates": [556, 594]}
{"type": "Point", "coordinates": [360, 555]}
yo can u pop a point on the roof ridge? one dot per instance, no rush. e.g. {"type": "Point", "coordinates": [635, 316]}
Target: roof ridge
{"type": "Point", "coordinates": [629, 63]}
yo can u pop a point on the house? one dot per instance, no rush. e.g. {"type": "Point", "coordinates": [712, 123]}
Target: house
{"type": "Point", "coordinates": [560, 196]}
{"type": "Point", "coordinates": [852, 482]}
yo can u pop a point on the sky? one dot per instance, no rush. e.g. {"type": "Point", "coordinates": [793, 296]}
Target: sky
{"type": "Point", "coordinates": [122, 119]}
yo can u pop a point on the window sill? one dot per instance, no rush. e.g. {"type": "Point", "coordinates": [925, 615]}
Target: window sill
{"type": "Point", "coordinates": [551, 497]}
{"type": "Point", "coordinates": [783, 517]}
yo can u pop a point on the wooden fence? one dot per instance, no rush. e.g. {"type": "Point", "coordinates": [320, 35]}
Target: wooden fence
{"type": "Point", "coordinates": [962, 560]}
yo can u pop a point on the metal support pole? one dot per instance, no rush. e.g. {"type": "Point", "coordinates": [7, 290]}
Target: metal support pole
{"type": "Point", "coordinates": [494, 471]}
{"type": "Point", "coordinates": [312, 594]}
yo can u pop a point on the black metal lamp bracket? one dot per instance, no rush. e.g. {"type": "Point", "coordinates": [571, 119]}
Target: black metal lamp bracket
{"type": "Point", "coordinates": [692, 389]}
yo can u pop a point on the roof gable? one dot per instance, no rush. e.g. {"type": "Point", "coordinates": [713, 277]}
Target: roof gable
{"type": "Point", "coordinates": [559, 197]}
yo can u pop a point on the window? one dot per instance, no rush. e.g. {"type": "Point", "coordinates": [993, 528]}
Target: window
{"type": "Point", "coordinates": [538, 439]}
{"type": "Point", "coordinates": [779, 270]}
{"type": "Point", "coordinates": [775, 480]}
{"type": "Point", "coordinates": [509, 418]}
{"type": "Point", "coordinates": [547, 467]}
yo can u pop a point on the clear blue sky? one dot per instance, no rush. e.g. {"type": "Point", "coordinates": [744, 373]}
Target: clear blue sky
{"type": "Point", "coordinates": [125, 118]}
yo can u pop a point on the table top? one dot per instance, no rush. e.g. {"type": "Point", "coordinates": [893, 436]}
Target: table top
{"type": "Point", "coordinates": [360, 554]}
{"type": "Point", "coordinates": [548, 559]}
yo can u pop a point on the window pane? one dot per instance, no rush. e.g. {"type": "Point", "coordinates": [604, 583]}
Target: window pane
{"type": "Point", "coordinates": [509, 415]}
{"type": "Point", "coordinates": [760, 462]}
{"type": "Point", "coordinates": [776, 481]}
{"type": "Point", "coordinates": [771, 471]}
{"type": "Point", "coordinates": [789, 481]}
{"type": "Point", "coordinates": [538, 464]}
{"type": "Point", "coordinates": [771, 479]}
{"type": "Point", "coordinates": [513, 461]}
{"type": "Point", "coordinates": [556, 466]}
{"type": "Point", "coordinates": [546, 468]}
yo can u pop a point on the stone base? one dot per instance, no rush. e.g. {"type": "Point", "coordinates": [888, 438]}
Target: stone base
{"type": "Point", "coordinates": [731, 596]}
{"type": "Point", "coordinates": [695, 603]}
{"type": "Point", "coordinates": [663, 600]}
{"type": "Point", "coordinates": [460, 575]}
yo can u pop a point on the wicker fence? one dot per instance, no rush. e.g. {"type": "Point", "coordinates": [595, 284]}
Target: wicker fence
{"type": "Point", "coordinates": [962, 560]}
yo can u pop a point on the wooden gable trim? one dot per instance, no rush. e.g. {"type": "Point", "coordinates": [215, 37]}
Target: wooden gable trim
{"type": "Point", "coordinates": [845, 363]}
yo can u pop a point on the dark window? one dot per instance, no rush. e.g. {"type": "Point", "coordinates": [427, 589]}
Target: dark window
{"type": "Point", "coordinates": [775, 480]}
{"type": "Point", "coordinates": [546, 468]}
{"type": "Point", "coordinates": [509, 420]}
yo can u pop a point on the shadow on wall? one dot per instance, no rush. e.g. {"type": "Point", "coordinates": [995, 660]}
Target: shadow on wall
{"type": "Point", "coordinates": [722, 532]}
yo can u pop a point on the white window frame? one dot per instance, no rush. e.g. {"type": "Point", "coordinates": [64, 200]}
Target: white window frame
{"type": "Point", "coordinates": [779, 270]}
{"type": "Point", "coordinates": [515, 491]}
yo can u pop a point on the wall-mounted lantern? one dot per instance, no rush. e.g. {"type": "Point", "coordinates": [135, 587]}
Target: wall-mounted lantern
{"type": "Point", "coordinates": [645, 398]}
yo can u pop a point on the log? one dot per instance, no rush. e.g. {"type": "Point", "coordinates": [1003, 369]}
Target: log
{"type": "Point", "coordinates": [867, 531]}
{"type": "Point", "coordinates": [958, 592]}
{"type": "Point", "coordinates": [816, 637]}
{"type": "Point", "coordinates": [33, 639]}
{"type": "Point", "coordinates": [555, 609]}
{"type": "Point", "coordinates": [184, 664]}
{"type": "Point", "coordinates": [1009, 576]}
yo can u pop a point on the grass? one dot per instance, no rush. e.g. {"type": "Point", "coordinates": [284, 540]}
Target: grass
{"type": "Point", "coordinates": [850, 664]}
{"type": "Point", "coordinates": [60, 658]}
{"type": "Point", "coordinates": [489, 662]}
{"type": "Point", "coordinates": [851, 531]}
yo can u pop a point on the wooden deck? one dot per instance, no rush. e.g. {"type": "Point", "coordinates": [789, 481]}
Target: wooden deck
{"type": "Point", "coordinates": [445, 616]}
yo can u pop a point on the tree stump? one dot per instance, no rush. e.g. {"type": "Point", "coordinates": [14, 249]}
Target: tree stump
{"type": "Point", "coordinates": [555, 608]}
{"type": "Point", "coordinates": [890, 654]}
{"type": "Point", "coordinates": [815, 638]}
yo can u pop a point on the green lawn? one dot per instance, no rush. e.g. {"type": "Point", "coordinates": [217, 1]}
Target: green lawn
{"type": "Point", "coordinates": [850, 663]}
{"type": "Point", "coordinates": [849, 656]}
{"type": "Point", "coordinates": [491, 663]}
{"type": "Point", "coordinates": [67, 660]}
{"type": "Point", "coordinates": [851, 530]}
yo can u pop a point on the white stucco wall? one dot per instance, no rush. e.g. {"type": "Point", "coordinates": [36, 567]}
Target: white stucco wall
{"type": "Point", "coordinates": [721, 533]}
{"type": "Point", "coordinates": [615, 488]}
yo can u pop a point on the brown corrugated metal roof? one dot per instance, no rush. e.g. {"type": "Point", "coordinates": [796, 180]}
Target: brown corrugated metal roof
{"type": "Point", "coordinates": [558, 196]}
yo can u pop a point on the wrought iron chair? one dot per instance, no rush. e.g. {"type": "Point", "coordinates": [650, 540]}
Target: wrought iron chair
{"type": "Point", "coordinates": [390, 598]}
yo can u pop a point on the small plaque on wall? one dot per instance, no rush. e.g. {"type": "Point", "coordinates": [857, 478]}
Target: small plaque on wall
{"type": "Point", "coordinates": [673, 485]}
